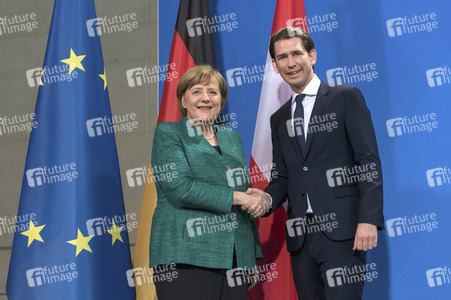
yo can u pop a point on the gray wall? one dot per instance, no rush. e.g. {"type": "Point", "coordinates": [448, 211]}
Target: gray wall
{"type": "Point", "coordinates": [21, 51]}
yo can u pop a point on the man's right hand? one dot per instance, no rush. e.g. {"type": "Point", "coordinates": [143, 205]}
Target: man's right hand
{"type": "Point", "coordinates": [263, 203]}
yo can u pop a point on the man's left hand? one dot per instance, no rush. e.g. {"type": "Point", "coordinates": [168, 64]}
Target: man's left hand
{"type": "Point", "coordinates": [365, 237]}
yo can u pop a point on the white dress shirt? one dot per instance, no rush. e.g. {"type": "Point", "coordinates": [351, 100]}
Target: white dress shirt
{"type": "Point", "coordinates": [310, 91]}
{"type": "Point", "coordinates": [308, 102]}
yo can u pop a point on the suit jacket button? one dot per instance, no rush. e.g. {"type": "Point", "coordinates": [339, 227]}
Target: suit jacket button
{"type": "Point", "coordinates": [305, 168]}
{"type": "Point", "coordinates": [302, 194]}
{"type": "Point", "coordinates": [228, 168]}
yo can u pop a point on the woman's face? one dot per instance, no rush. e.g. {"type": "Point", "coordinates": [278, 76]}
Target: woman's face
{"type": "Point", "coordinates": [202, 101]}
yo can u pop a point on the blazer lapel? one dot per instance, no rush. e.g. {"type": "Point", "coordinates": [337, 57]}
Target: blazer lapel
{"type": "Point", "coordinates": [223, 140]}
{"type": "Point", "coordinates": [194, 135]}
{"type": "Point", "coordinates": [320, 102]}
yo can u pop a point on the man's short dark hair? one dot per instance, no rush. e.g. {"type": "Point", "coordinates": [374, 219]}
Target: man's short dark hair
{"type": "Point", "coordinates": [289, 33]}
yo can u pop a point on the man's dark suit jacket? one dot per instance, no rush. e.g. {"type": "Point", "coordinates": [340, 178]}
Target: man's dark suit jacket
{"type": "Point", "coordinates": [351, 143]}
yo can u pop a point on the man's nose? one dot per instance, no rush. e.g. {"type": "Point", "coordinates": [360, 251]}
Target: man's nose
{"type": "Point", "coordinates": [291, 62]}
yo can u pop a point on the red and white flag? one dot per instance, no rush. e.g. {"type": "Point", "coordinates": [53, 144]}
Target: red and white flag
{"type": "Point", "coordinates": [275, 92]}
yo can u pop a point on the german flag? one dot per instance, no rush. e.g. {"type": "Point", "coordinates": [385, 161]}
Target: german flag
{"type": "Point", "coordinates": [192, 45]}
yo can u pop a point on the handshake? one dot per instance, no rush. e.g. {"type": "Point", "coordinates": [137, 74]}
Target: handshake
{"type": "Point", "coordinates": [256, 202]}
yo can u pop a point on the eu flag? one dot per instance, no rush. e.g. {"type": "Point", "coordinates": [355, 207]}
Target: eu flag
{"type": "Point", "coordinates": [74, 244]}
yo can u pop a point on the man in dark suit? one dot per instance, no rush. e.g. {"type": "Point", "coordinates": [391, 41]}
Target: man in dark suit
{"type": "Point", "coordinates": [326, 157]}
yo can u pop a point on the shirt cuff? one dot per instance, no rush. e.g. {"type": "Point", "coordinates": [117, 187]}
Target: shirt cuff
{"type": "Point", "coordinates": [270, 205]}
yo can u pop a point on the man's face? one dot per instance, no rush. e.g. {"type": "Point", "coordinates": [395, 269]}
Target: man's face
{"type": "Point", "coordinates": [293, 63]}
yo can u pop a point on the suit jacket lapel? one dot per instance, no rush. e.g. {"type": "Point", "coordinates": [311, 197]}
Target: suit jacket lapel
{"type": "Point", "coordinates": [320, 102]}
{"type": "Point", "coordinates": [223, 139]}
{"type": "Point", "coordinates": [194, 135]}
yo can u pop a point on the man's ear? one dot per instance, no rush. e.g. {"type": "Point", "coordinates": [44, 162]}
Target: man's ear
{"type": "Point", "coordinates": [275, 66]}
{"type": "Point", "coordinates": [313, 56]}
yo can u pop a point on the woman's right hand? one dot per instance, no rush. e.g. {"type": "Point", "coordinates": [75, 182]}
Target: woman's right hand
{"type": "Point", "coordinates": [254, 205]}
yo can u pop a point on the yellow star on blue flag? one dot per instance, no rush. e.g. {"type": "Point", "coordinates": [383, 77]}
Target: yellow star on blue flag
{"type": "Point", "coordinates": [81, 242]}
{"type": "Point", "coordinates": [103, 76]}
{"type": "Point", "coordinates": [33, 233]}
{"type": "Point", "coordinates": [116, 233]}
{"type": "Point", "coordinates": [74, 61]}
